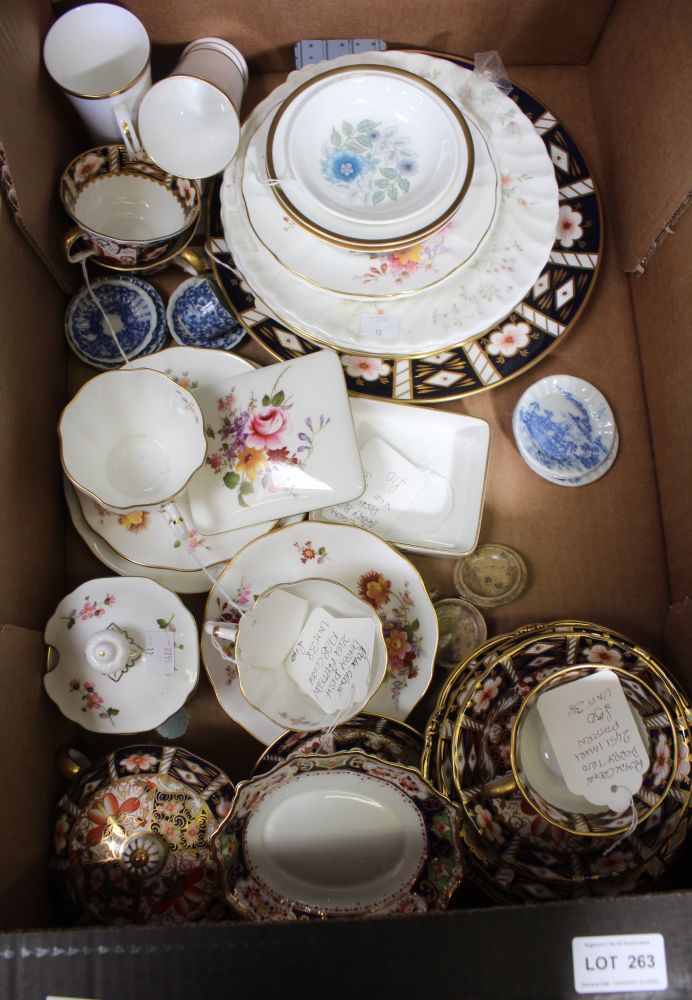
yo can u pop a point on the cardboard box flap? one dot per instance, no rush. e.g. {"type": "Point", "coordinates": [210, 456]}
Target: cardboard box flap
{"type": "Point", "coordinates": [38, 131]}
{"type": "Point", "coordinates": [526, 31]}
{"type": "Point", "coordinates": [641, 81]}
{"type": "Point", "coordinates": [31, 782]}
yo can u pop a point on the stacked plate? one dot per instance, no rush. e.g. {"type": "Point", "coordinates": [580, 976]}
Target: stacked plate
{"type": "Point", "coordinates": [393, 202]}
{"type": "Point", "coordinates": [522, 850]}
{"type": "Point", "coordinates": [125, 306]}
{"type": "Point", "coordinates": [565, 430]}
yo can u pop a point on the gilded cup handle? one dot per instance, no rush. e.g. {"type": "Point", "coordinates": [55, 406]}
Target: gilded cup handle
{"type": "Point", "coordinates": [498, 788]}
{"type": "Point", "coordinates": [70, 239]}
{"type": "Point", "coordinates": [70, 762]}
{"type": "Point", "coordinates": [197, 261]}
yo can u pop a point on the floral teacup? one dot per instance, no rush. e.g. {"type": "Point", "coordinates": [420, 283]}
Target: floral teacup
{"type": "Point", "coordinates": [130, 214]}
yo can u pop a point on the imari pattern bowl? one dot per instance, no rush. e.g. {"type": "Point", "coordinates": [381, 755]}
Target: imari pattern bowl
{"type": "Point", "coordinates": [131, 837]}
{"type": "Point", "coordinates": [292, 846]}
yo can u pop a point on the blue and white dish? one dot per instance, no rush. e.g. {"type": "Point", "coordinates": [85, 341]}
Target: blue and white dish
{"type": "Point", "coordinates": [137, 315]}
{"type": "Point", "coordinates": [197, 318]}
{"type": "Point", "coordinates": [134, 309]}
{"type": "Point", "coordinates": [588, 477]}
{"type": "Point", "coordinates": [564, 428]}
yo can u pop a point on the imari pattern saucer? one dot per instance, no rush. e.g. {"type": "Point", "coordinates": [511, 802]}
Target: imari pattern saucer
{"type": "Point", "coordinates": [495, 356]}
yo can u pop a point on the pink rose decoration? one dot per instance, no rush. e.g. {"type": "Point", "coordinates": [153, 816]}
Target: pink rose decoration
{"type": "Point", "coordinates": [266, 427]}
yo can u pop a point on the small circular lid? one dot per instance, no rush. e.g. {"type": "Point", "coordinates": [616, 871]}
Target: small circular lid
{"type": "Point", "coordinates": [491, 575]}
{"type": "Point", "coordinates": [131, 836]}
{"type": "Point", "coordinates": [462, 629]}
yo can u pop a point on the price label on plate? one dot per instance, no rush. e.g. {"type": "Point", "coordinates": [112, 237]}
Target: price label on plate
{"type": "Point", "coordinates": [620, 963]}
{"type": "Point", "coordinates": [379, 326]}
{"type": "Point", "coordinates": [159, 655]}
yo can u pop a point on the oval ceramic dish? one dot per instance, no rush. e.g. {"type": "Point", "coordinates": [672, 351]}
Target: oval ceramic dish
{"type": "Point", "coordinates": [292, 844]}
{"type": "Point", "coordinates": [462, 629]}
{"type": "Point", "coordinates": [132, 307]}
{"type": "Point", "coordinates": [363, 563]}
{"type": "Point", "coordinates": [369, 155]}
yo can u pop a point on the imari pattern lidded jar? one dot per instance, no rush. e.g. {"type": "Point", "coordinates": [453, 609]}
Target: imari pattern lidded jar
{"type": "Point", "coordinates": [131, 837]}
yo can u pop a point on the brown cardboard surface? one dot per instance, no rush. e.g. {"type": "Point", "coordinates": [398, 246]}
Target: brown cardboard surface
{"type": "Point", "coordinates": [32, 361]}
{"type": "Point", "coordinates": [678, 641]}
{"type": "Point", "coordinates": [528, 31]}
{"type": "Point", "coordinates": [641, 76]}
{"type": "Point", "coordinates": [31, 729]}
{"type": "Point", "coordinates": [38, 128]}
{"type": "Point", "coordinates": [661, 298]}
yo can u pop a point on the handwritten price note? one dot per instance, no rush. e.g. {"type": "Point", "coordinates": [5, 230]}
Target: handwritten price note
{"type": "Point", "coordinates": [595, 739]}
{"type": "Point", "coordinates": [392, 484]}
{"type": "Point", "coordinates": [331, 659]}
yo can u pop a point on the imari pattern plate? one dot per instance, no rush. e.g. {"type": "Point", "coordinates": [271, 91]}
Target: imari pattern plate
{"type": "Point", "coordinates": [510, 346]}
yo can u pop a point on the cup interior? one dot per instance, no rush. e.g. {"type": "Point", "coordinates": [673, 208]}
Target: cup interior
{"type": "Point", "coordinates": [96, 50]}
{"type": "Point", "coordinates": [276, 694]}
{"type": "Point", "coordinates": [188, 126]}
{"type": "Point", "coordinates": [132, 438]}
{"type": "Point", "coordinates": [129, 207]}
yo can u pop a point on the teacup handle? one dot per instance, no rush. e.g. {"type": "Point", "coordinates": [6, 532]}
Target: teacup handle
{"type": "Point", "coordinates": [221, 630]}
{"type": "Point", "coordinates": [500, 787]}
{"type": "Point", "coordinates": [70, 239]}
{"type": "Point", "coordinates": [127, 130]}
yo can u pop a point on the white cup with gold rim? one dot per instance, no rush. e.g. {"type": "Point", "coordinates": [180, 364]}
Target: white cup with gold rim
{"type": "Point", "coordinates": [99, 55]}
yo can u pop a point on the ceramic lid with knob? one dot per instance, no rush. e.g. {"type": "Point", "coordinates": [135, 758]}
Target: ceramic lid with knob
{"type": "Point", "coordinates": [123, 655]}
{"type": "Point", "coordinates": [131, 835]}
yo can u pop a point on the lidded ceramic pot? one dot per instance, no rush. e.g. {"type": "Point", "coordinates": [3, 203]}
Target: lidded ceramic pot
{"type": "Point", "coordinates": [131, 835]}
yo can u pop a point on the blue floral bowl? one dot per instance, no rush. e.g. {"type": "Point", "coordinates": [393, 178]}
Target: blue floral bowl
{"type": "Point", "coordinates": [136, 314]}
{"type": "Point", "coordinates": [197, 318]}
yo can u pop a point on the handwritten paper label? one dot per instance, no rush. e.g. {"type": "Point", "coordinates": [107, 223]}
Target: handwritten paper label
{"type": "Point", "coordinates": [379, 326]}
{"type": "Point", "coordinates": [331, 660]}
{"type": "Point", "coordinates": [595, 739]}
{"type": "Point", "coordinates": [392, 484]}
{"type": "Point", "coordinates": [619, 963]}
{"type": "Point", "coordinates": [159, 654]}
{"type": "Point", "coordinates": [268, 632]}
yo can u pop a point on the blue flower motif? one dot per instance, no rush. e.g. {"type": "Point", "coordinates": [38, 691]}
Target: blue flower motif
{"type": "Point", "coordinates": [374, 134]}
{"type": "Point", "coordinates": [407, 166]}
{"type": "Point", "coordinates": [345, 167]}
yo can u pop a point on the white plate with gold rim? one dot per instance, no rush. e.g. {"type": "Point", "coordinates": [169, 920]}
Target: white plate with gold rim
{"type": "Point", "coordinates": [359, 560]}
{"type": "Point", "coordinates": [364, 154]}
{"type": "Point", "coordinates": [374, 274]}
{"type": "Point", "coordinates": [463, 304]}
{"type": "Point", "coordinates": [181, 583]}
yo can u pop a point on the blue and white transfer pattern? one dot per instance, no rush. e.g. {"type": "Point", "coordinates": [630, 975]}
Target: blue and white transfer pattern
{"type": "Point", "coordinates": [132, 308]}
{"type": "Point", "coordinates": [369, 163]}
{"type": "Point", "coordinates": [197, 318]}
{"type": "Point", "coordinates": [566, 441]}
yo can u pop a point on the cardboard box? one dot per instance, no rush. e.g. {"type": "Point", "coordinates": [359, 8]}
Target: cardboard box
{"type": "Point", "coordinates": [618, 73]}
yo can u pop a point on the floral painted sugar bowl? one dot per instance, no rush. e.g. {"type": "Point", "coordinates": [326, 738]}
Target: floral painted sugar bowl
{"type": "Point", "coordinates": [131, 836]}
